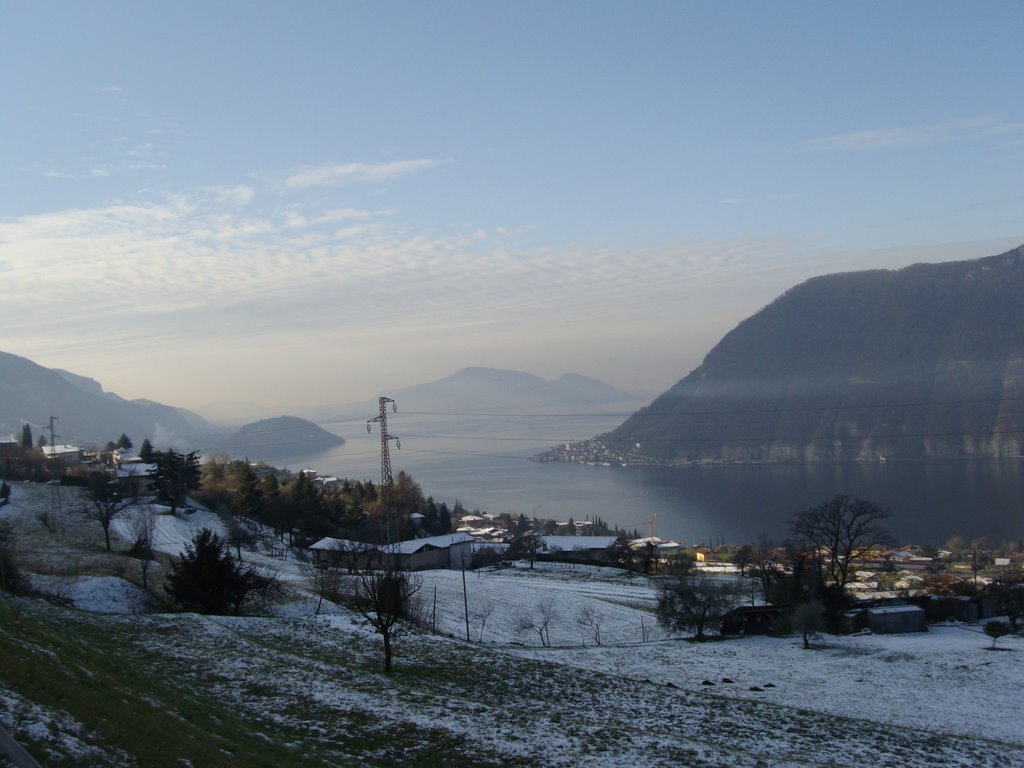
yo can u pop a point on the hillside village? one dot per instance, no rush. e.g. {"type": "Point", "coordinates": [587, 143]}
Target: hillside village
{"type": "Point", "coordinates": [913, 679]}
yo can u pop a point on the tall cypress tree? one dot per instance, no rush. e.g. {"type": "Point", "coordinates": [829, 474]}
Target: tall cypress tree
{"type": "Point", "coordinates": [26, 437]}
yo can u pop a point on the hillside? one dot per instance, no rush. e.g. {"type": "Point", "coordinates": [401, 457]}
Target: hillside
{"type": "Point", "coordinates": [267, 438]}
{"type": "Point", "coordinates": [30, 394]}
{"type": "Point", "coordinates": [922, 362]}
{"type": "Point", "coordinates": [96, 684]}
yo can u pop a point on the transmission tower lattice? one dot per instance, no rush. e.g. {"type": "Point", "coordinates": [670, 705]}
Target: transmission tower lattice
{"type": "Point", "coordinates": [386, 480]}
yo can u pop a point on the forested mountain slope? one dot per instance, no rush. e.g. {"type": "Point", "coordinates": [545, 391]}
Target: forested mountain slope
{"type": "Point", "coordinates": [921, 362]}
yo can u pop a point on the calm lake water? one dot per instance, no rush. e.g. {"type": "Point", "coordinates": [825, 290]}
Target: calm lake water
{"type": "Point", "coordinates": [483, 461]}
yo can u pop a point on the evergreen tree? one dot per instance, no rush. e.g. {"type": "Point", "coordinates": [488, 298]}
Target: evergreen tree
{"type": "Point", "coordinates": [124, 441]}
{"type": "Point", "coordinates": [303, 506]}
{"type": "Point", "coordinates": [175, 475]}
{"type": "Point", "coordinates": [207, 579]}
{"type": "Point", "coordinates": [26, 437]}
{"type": "Point", "coordinates": [272, 502]}
{"type": "Point", "coordinates": [248, 499]}
{"type": "Point", "coordinates": [146, 452]}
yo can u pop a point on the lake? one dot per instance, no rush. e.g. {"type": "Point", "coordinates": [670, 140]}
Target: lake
{"type": "Point", "coordinates": [484, 462]}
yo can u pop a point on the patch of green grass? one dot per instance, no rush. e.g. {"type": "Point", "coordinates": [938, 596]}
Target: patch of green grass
{"type": "Point", "coordinates": [74, 665]}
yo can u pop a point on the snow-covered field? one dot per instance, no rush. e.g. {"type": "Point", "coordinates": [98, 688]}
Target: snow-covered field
{"type": "Point", "coordinates": [641, 697]}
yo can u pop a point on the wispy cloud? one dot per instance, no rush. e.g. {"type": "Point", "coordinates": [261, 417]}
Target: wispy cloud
{"type": "Point", "coordinates": [294, 219]}
{"type": "Point", "coordinates": [118, 269]}
{"type": "Point", "coordinates": [111, 90]}
{"type": "Point", "coordinates": [348, 173]}
{"type": "Point", "coordinates": [909, 137]}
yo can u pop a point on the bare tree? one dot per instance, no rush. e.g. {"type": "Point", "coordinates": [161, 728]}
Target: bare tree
{"type": "Point", "coordinates": [539, 622]}
{"type": "Point", "coordinates": [239, 536]}
{"type": "Point", "coordinates": [479, 616]}
{"type": "Point", "coordinates": [763, 563]}
{"type": "Point", "coordinates": [325, 580]}
{"type": "Point", "coordinates": [589, 620]}
{"type": "Point", "coordinates": [386, 599]}
{"type": "Point", "coordinates": [103, 502]}
{"type": "Point", "coordinates": [526, 544]}
{"type": "Point", "coordinates": [693, 602]}
{"type": "Point", "coordinates": [808, 619]}
{"type": "Point", "coordinates": [841, 531]}
{"type": "Point", "coordinates": [143, 529]}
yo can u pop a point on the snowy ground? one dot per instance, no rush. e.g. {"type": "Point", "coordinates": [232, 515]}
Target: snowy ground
{"type": "Point", "coordinates": [639, 698]}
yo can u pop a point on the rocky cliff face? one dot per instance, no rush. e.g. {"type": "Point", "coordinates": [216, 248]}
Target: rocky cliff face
{"type": "Point", "coordinates": [922, 362]}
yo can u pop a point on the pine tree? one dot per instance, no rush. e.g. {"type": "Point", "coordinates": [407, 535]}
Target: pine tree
{"type": "Point", "coordinates": [272, 502]}
{"type": "Point", "coordinates": [207, 579]}
{"type": "Point", "coordinates": [26, 437]}
{"type": "Point", "coordinates": [146, 452]}
{"type": "Point", "coordinates": [175, 476]}
{"type": "Point", "coordinates": [248, 500]}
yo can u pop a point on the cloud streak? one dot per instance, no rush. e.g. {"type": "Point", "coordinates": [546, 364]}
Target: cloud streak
{"type": "Point", "coordinates": [194, 270]}
{"type": "Point", "coordinates": [351, 173]}
{"type": "Point", "coordinates": [884, 139]}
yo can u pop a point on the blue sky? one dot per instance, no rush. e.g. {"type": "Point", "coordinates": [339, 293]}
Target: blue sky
{"type": "Point", "coordinates": [294, 203]}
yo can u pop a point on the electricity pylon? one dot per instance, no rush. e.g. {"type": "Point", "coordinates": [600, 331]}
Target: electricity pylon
{"type": "Point", "coordinates": [386, 481]}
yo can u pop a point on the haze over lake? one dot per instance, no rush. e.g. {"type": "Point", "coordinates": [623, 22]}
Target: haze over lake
{"type": "Point", "coordinates": [484, 461]}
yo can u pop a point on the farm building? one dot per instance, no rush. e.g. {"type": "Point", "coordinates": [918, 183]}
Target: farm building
{"type": "Point", "coordinates": [450, 551]}
{"type": "Point", "coordinates": [593, 548]}
{"type": "Point", "coordinates": [886, 619]}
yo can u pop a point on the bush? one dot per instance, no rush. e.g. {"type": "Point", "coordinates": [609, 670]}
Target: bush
{"type": "Point", "coordinates": [997, 629]}
{"type": "Point", "coordinates": [207, 579]}
{"type": "Point", "coordinates": [10, 577]}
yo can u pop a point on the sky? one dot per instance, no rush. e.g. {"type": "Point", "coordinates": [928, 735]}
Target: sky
{"type": "Point", "coordinates": [311, 202]}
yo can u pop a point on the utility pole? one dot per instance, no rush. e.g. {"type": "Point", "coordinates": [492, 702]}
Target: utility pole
{"type": "Point", "coordinates": [53, 437]}
{"type": "Point", "coordinates": [465, 594]}
{"type": "Point", "coordinates": [386, 481]}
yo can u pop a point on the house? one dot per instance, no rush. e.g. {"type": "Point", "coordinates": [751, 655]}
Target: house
{"type": "Point", "coordinates": [343, 553]}
{"type": "Point", "coordinates": [66, 455]}
{"type": "Point", "coordinates": [134, 477]}
{"type": "Point", "coordinates": [9, 445]}
{"type": "Point", "coordinates": [590, 548]}
{"type": "Point", "coordinates": [755, 619]}
{"type": "Point", "coordinates": [968, 609]}
{"type": "Point", "coordinates": [450, 551]}
{"type": "Point", "coordinates": [886, 619]}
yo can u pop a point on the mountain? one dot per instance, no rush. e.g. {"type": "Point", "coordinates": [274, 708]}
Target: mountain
{"type": "Point", "coordinates": [30, 394]}
{"type": "Point", "coordinates": [489, 389]}
{"type": "Point", "coordinates": [270, 438]}
{"type": "Point", "coordinates": [921, 362]}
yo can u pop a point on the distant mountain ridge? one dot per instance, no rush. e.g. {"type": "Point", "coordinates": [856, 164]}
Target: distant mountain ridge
{"type": "Point", "coordinates": [921, 362]}
{"type": "Point", "coordinates": [481, 389]}
{"type": "Point", "coordinates": [30, 394]}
